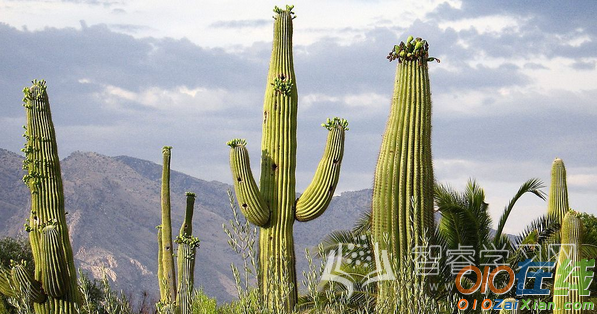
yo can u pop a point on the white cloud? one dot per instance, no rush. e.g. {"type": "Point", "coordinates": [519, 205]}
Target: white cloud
{"type": "Point", "coordinates": [486, 24]}
{"type": "Point", "coordinates": [181, 99]}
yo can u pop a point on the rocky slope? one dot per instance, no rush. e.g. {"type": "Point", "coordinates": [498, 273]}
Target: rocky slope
{"type": "Point", "coordinates": [113, 206]}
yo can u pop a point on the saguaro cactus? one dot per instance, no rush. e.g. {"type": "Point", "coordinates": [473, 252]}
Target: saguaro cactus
{"type": "Point", "coordinates": [568, 278]}
{"type": "Point", "coordinates": [175, 298]}
{"type": "Point", "coordinates": [402, 206]}
{"type": "Point", "coordinates": [272, 206]}
{"type": "Point", "coordinates": [166, 255]}
{"type": "Point", "coordinates": [558, 191]}
{"type": "Point", "coordinates": [187, 245]}
{"type": "Point", "coordinates": [53, 286]}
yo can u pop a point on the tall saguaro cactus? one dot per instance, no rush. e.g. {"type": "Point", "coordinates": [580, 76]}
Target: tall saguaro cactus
{"type": "Point", "coordinates": [173, 297]}
{"type": "Point", "coordinates": [568, 278]}
{"type": "Point", "coordinates": [402, 206]}
{"type": "Point", "coordinates": [272, 205]}
{"type": "Point", "coordinates": [558, 191]}
{"type": "Point", "coordinates": [168, 272]}
{"type": "Point", "coordinates": [53, 286]}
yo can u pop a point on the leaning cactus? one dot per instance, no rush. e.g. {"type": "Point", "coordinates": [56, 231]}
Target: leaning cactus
{"type": "Point", "coordinates": [558, 191]}
{"type": "Point", "coordinates": [569, 279]}
{"type": "Point", "coordinates": [272, 205]}
{"type": "Point", "coordinates": [175, 298]}
{"type": "Point", "coordinates": [53, 286]}
{"type": "Point", "coordinates": [402, 206]}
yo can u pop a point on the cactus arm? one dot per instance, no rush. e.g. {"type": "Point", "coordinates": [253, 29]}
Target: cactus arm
{"type": "Point", "coordinates": [249, 198]}
{"type": "Point", "coordinates": [31, 288]}
{"type": "Point", "coordinates": [169, 273]}
{"type": "Point", "coordinates": [54, 269]}
{"type": "Point", "coordinates": [558, 191]}
{"type": "Point", "coordinates": [319, 193]}
{"type": "Point", "coordinates": [161, 280]}
{"type": "Point", "coordinates": [187, 225]}
{"type": "Point", "coordinates": [6, 283]}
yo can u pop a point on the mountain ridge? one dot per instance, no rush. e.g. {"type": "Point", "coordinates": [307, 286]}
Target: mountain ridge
{"type": "Point", "coordinates": [113, 207]}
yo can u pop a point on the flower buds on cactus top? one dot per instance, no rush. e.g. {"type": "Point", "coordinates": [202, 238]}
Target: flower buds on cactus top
{"type": "Point", "coordinates": [237, 142]}
{"type": "Point", "coordinates": [413, 49]}
{"type": "Point", "coordinates": [336, 122]}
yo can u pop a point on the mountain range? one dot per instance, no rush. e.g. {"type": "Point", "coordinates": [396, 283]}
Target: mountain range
{"type": "Point", "coordinates": [113, 206]}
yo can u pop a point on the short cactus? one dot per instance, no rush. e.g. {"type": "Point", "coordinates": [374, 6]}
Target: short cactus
{"type": "Point", "coordinates": [558, 191]}
{"type": "Point", "coordinates": [53, 287]}
{"type": "Point", "coordinates": [402, 205]}
{"type": "Point", "coordinates": [272, 205]}
{"type": "Point", "coordinates": [570, 255]}
{"type": "Point", "coordinates": [175, 297]}
{"type": "Point", "coordinates": [187, 245]}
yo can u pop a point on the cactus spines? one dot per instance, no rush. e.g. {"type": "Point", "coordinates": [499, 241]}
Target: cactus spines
{"type": "Point", "coordinates": [47, 223]}
{"type": "Point", "coordinates": [569, 256]}
{"type": "Point", "coordinates": [168, 271]}
{"type": "Point", "coordinates": [402, 206]}
{"type": "Point", "coordinates": [558, 191]}
{"type": "Point", "coordinates": [272, 205]}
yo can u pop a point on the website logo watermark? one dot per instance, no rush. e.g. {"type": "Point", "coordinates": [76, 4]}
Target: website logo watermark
{"type": "Point", "coordinates": [569, 276]}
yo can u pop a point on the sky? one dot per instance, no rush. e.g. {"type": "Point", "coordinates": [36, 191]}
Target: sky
{"type": "Point", "coordinates": [516, 87]}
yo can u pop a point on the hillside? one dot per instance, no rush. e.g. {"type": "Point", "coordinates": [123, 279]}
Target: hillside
{"type": "Point", "coordinates": [113, 208]}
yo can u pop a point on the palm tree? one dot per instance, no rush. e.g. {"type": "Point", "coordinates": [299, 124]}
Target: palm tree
{"type": "Point", "coordinates": [465, 221]}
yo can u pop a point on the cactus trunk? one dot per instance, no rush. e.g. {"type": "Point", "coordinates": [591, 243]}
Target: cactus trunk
{"type": "Point", "coordinates": [402, 206]}
{"type": "Point", "coordinates": [278, 163]}
{"type": "Point", "coordinates": [48, 232]}
{"type": "Point", "coordinates": [558, 191]}
{"type": "Point", "coordinates": [272, 206]}
{"type": "Point", "coordinates": [567, 287]}
{"type": "Point", "coordinates": [187, 245]}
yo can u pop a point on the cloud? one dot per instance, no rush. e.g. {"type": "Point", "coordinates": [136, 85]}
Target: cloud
{"type": "Point", "coordinates": [584, 65]}
{"type": "Point", "coordinates": [507, 98]}
{"type": "Point", "coordinates": [241, 23]}
{"type": "Point", "coordinates": [106, 3]}
{"type": "Point", "coordinates": [129, 28]}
